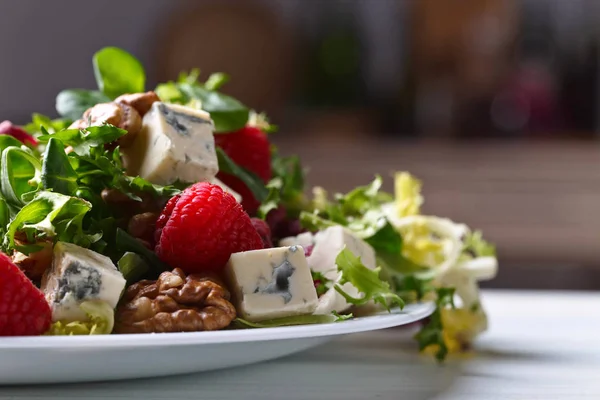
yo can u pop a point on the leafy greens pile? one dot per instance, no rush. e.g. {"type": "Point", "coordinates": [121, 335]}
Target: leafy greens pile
{"type": "Point", "coordinates": [49, 193]}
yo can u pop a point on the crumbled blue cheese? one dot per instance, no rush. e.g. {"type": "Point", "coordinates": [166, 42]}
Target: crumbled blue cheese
{"type": "Point", "coordinates": [78, 275]}
{"type": "Point", "coordinates": [175, 143]}
{"type": "Point", "coordinates": [327, 244]}
{"type": "Point", "coordinates": [271, 283]}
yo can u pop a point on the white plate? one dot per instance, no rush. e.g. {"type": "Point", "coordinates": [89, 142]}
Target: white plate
{"type": "Point", "coordinates": [61, 359]}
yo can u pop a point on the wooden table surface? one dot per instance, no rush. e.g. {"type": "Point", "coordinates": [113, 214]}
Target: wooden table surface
{"type": "Point", "coordinates": [541, 345]}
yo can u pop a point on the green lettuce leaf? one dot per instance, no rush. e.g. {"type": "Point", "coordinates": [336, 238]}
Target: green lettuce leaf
{"type": "Point", "coordinates": [118, 72]}
{"type": "Point", "coordinates": [365, 280]}
{"type": "Point", "coordinates": [289, 170]}
{"type": "Point", "coordinates": [291, 321]}
{"type": "Point", "coordinates": [72, 103]}
{"type": "Point", "coordinates": [216, 80]}
{"type": "Point", "coordinates": [408, 198]}
{"type": "Point", "coordinates": [432, 333]}
{"type": "Point", "coordinates": [476, 246]}
{"type": "Point", "coordinates": [101, 321]}
{"type": "Point", "coordinates": [273, 198]}
{"type": "Point", "coordinates": [52, 215]}
{"type": "Point", "coordinates": [20, 174]}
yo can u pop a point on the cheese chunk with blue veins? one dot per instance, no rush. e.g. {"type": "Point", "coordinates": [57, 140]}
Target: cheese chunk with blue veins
{"type": "Point", "coordinates": [175, 143]}
{"type": "Point", "coordinates": [77, 275]}
{"type": "Point", "coordinates": [325, 247]}
{"type": "Point", "coordinates": [271, 283]}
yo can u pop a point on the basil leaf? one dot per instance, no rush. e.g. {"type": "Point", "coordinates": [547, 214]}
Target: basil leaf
{"type": "Point", "coordinates": [126, 242]}
{"type": "Point", "coordinates": [72, 103]}
{"type": "Point", "coordinates": [117, 72]}
{"type": "Point", "coordinates": [57, 173]}
{"type": "Point", "coordinates": [252, 181]}
{"type": "Point", "coordinates": [227, 113]}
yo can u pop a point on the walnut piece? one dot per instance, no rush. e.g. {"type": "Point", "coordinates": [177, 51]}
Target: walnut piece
{"type": "Point", "coordinates": [175, 303]}
{"type": "Point", "coordinates": [142, 102]}
{"type": "Point", "coordinates": [118, 114]}
{"type": "Point", "coordinates": [35, 264]}
{"type": "Point", "coordinates": [142, 226]}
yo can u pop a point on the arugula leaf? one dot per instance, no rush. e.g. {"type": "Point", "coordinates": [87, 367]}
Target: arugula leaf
{"type": "Point", "coordinates": [432, 333]}
{"type": "Point", "coordinates": [227, 113]}
{"type": "Point", "coordinates": [5, 215]}
{"type": "Point", "coordinates": [57, 173]}
{"type": "Point", "coordinates": [127, 243]}
{"type": "Point", "coordinates": [273, 198]}
{"type": "Point", "coordinates": [133, 267]}
{"type": "Point", "coordinates": [215, 81]}
{"type": "Point", "coordinates": [52, 215]}
{"type": "Point", "coordinates": [20, 175]}
{"type": "Point", "coordinates": [130, 185]}
{"type": "Point", "coordinates": [291, 321]}
{"type": "Point", "coordinates": [252, 181]}
{"type": "Point", "coordinates": [72, 103]}
{"type": "Point", "coordinates": [365, 280]}
{"type": "Point", "coordinates": [51, 125]}
{"type": "Point", "coordinates": [313, 222]}
{"type": "Point", "coordinates": [118, 72]}
{"type": "Point", "coordinates": [290, 171]}
{"type": "Point", "coordinates": [83, 139]}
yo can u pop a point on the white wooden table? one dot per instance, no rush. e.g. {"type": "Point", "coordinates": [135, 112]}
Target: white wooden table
{"type": "Point", "coordinates": [541, 345]}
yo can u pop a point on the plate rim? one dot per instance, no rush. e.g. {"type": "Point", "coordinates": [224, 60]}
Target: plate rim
{"type": "Point", "coordinates": [415, 312]}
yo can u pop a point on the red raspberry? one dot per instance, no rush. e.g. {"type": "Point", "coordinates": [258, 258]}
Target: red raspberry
{"type": "Point", "coordinates": [23, 309]}
{"type": "Point", "coordinates": [201, 228]}
{"type": "Point", "coordinates": [248, 148]}
{"type": "Point", "coordinates": [7, 128]}
{"type": "Point", "coordinates": [264, 231]}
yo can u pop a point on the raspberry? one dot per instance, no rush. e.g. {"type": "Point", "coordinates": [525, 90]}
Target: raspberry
{"type": "Point", "coordinates": [264, 231]}
{"type": "Point", "coordinates": [23, 308]}
{"type": "Point", "coordinates": [249, 148]}
{"type": "Point", "coordinates": [7, 128]}
{"type": "Point", "coordinates": [199, 229]}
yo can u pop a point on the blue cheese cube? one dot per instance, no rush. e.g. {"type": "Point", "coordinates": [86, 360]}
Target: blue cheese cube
{"type": "Point", "coordinates": [78, 275]}
{"type": "Point", "coordinates": [175, 143]}
{"type": "Point", "coordinates": [325, 246]}
{"type": "Point", "coordinates": [271, 283]}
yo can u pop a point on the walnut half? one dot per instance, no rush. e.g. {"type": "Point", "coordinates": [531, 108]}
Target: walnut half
{"type": "Point", "coordinates": [175, 303]}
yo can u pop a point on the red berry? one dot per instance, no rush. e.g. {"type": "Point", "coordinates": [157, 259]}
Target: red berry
{"type": "Point", "coordinates": [202, 227]}
{"type": "Point", "coordinates": [7, 128]}
{"type": "Point", "coordinates": [23, 309]}
{"type": "Point", "coordinates": [248, 148]}
{"type": "Point", "coordinates": [264, 231]}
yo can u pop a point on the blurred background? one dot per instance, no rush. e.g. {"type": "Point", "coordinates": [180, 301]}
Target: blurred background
{"type": "Point", "coordinates": [494, 104]}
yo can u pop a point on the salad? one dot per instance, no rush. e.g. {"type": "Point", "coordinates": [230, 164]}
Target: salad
{"type": "Point", "coordinates": [169, 210]}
